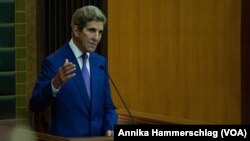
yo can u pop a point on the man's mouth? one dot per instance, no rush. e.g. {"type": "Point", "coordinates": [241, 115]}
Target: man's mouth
{"type": "Point", "coordinates": [92, 45]}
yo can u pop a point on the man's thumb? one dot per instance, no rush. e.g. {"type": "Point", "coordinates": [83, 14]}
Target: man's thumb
{"type": "Point", "coordinates": [66, 61]}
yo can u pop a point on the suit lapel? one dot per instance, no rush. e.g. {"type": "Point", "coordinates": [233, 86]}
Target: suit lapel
{"type": "Point", "coordinates": [78, 79]}
{"type": "Point", "coordinates": [95, 74]}
{"type": "Point", "coordinates": [80, 85]}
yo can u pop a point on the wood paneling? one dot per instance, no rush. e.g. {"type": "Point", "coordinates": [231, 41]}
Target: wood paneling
{"type": "Point", "coordinates": [177, 59]}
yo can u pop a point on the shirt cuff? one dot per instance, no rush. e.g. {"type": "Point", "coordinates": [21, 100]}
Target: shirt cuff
{"type": "Point", "coordinates": [54, 90]}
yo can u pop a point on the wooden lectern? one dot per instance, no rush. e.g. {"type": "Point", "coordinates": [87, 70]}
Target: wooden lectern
{"type": "Point", "coordinates": [47, 137]}
{"type": "Point", "coordinates": [14, 130]}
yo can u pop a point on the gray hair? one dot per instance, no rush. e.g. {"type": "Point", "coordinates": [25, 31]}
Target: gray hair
{"type": "Point", "coordinates": [86, 14]}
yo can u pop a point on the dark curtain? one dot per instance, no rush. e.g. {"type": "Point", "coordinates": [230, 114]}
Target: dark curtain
{"type": "Point", "coordinates": [245, 64]}
{"type": "Point", "coordinates": [53, 25]}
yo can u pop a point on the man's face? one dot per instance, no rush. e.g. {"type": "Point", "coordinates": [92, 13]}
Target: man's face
{"type": "Point", "coordinates": [90, 36]}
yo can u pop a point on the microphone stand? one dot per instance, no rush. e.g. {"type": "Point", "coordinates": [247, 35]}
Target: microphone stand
{"type": "Point", "coordinates": [133, 121]}
{"type": "Point", "coordinates": [123, 102]}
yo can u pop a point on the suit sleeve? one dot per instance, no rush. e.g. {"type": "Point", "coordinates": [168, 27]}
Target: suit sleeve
{"type": "Point", "coordinates": [42, 92]}
{"type": "Point", "coordinates": [110, 118]}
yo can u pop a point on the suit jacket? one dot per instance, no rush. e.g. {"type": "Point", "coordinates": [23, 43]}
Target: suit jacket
{"type": "Point", "coordinates": [73, 114]}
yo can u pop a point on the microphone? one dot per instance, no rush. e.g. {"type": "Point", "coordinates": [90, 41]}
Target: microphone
{"type": "Point", "coordinates": [117, 91]}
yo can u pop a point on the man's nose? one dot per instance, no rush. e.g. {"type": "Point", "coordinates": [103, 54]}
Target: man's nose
{"type": "Point", "coordinates": [97, 36]}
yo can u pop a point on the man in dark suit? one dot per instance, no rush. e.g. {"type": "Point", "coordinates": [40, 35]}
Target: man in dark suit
{"type": "Point", "coordinates": [77, 109]}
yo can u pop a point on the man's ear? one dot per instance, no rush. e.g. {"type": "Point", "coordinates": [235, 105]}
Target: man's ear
{"type": "Point", "coordinates": [75, 30]}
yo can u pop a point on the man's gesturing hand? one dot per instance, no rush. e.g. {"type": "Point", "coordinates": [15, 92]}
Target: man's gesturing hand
{"type": "Point", "coordinates": [65, 72]}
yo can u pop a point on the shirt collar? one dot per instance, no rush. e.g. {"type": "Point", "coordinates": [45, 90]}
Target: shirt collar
{"type": "Point", "coordinates": [77, 52]}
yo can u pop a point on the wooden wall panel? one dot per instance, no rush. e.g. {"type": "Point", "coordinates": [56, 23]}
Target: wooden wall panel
{"type": "Point", "coordinates": [177, 60]}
